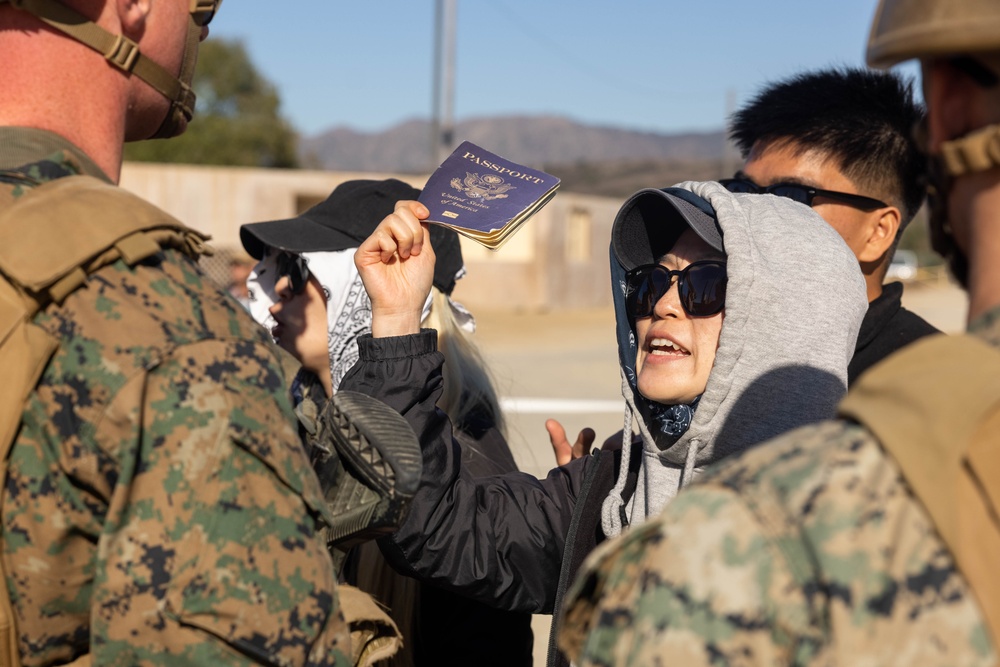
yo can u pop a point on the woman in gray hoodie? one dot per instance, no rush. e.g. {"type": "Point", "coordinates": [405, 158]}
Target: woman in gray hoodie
{"type": "Point", "coordinates": [745, 332]}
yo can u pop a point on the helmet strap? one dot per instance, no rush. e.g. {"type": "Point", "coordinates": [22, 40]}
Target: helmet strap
{"type": "Point", "coordinates": [939, 184]}
{"type": "Point", "coordinates": [976, 151]}
{"type": "Point", "coordinates": [124, 54]}
{"type": "Point", "coordinates": [182, 106]}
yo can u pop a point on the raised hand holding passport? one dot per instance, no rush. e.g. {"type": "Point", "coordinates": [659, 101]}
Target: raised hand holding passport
{"type": "Point", "coordinates": [396, 264]}
{"type": "Point", "coordinates": [484, 196]}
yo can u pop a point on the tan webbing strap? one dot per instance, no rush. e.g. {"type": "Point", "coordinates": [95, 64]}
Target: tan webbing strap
{"type": "Point", "coordinates": [62, 288]}
{"type": "Point", "coordinates": [96, 224]}
{"type": "Point", "coordinates": [935, 408]}
{"type": "Point", "coordinates": [24, 351]}
{"type": "Point", "coordinates": [137, 247]}
{"type": "Point", "coordinates": [23, 354]}
{"type": "Point", "coordinates": [117, 49]}
{"type": "Point", "coordinates": [91, 217]}
{"type": "Point", "coordinates": [374, 635]}
{"type": "Point", "coordinates": [976, 151]}
{"type": "Point", "coordinates": [132, 250]}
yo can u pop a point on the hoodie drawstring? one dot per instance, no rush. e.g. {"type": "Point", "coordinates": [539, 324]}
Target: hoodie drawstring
{"type": "Point", "coordinates": [613, 509]}
{"type": "Point", "coordinates": [692, 454]}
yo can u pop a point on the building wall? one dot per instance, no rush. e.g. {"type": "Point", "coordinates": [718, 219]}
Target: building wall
{"type": "Point", "coordinates": [557, 260]}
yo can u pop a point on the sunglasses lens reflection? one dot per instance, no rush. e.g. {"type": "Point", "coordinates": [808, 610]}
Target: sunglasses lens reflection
{"type": "Point", "coordinates": [649, 292]}
{"type": "Point", "coordinates": [702, 288]}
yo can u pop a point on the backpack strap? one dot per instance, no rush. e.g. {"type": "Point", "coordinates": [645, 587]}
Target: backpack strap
{"type": "Point", "coordinates": [51, 238]}
{"type": "Point", "coordinates": [24, 351]}
{"type": "Point", "coordinates": [97, 224]}
{"type": "Point", "coordinates": [935, 408]}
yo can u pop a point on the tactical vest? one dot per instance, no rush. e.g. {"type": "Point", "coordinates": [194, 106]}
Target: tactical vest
{"type": "Point", "coordinates": [51, 239]}
{"type": "Point", "coordinates": [96, 224]}
{"type": "Point", "coordinates": [935, 408]}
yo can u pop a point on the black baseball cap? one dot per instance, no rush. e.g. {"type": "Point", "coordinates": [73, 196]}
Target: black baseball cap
{"type": "Point", "coordinates": [346, 218]}
{"type": "Point", "coordinates": [650, 222]}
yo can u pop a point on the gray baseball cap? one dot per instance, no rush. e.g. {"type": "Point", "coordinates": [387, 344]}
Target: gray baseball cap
{"type": "Point", "coordinates": [650, 222]}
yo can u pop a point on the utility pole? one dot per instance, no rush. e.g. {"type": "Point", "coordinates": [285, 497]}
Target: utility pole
{"type": "Point", "coordinates": [442, 125]}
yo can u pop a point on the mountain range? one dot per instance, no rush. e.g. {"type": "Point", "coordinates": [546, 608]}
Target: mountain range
{"type": "Point", "coordinates": [594, 159]}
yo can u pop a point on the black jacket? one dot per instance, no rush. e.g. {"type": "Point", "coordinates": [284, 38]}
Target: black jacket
{"type": "Point", "coordinates": [454, 629]}
{"type": "Point", "coordinates": [886, 328]}
{"type": "Point", "coordinates": [512, 541]}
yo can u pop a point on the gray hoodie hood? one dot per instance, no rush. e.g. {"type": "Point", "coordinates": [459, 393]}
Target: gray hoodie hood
{"type": "Point", "coordinates": [794, 303]}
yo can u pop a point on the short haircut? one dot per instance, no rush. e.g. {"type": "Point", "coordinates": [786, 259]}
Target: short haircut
{"type": "Point", "coordinates": [861, 118]}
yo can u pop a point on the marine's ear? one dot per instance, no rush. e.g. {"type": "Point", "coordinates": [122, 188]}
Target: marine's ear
{"type": "Point", "coordinates": [132, 15]}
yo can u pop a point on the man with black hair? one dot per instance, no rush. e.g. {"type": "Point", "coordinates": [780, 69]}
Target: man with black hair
{"type": "Point", "coordinates": [840, 141]}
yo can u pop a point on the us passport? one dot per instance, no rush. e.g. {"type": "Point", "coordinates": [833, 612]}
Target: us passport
{"type": "Point", "coordinates": [484, 196]}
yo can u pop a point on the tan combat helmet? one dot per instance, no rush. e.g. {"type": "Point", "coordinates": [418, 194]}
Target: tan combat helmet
{"type": "Point", "coordinates": [926, 29]}
{"type": "Point", "coordinates": [905, 29]}
{"type": "Point", "coordinates": [124, 54]}
{"type": "Point", "coordinates": [966, 32]}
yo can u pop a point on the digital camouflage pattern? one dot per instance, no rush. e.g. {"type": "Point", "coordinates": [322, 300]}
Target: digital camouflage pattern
{"type": "Point", "coordinates": [807, 551]}
{"type": "Point", "coordinates": [159, 507]}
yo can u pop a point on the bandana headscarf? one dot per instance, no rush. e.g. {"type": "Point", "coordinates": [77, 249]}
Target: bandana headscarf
{"type": "Point", "coordinates": [348, 308]}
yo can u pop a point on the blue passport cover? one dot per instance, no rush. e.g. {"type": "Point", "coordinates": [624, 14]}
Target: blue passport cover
{"type": "Point", "coordinates": [481, 192]}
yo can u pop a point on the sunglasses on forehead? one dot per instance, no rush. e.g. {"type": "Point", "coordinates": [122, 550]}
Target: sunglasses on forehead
{"type": "Point", "coordinates": [296, 268]}
{"type": "Point", "coordinates": [701, 287]}
{"type": "Point", "coordinates": [803, 194]}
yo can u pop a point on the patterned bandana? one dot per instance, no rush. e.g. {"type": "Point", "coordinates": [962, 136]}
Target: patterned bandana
{"type": "Point", "coordinates": [348, 308]}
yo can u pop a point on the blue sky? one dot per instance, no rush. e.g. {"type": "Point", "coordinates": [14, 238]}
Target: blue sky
{"type": "Point", "coordinates": [661, 65]}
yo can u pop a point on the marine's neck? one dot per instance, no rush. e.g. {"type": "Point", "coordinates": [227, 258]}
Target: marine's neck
{"type": "Point", "coordinates": [51, 83]}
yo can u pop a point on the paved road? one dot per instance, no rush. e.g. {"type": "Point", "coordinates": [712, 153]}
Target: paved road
{"type": "Point", "coordinates": [564, 365]}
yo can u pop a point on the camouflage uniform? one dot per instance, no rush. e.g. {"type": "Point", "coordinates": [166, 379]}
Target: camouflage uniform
{"type": "Point", "coordinates": [807, 551]}
{"type": "Point", "coordinates": [159, 507]}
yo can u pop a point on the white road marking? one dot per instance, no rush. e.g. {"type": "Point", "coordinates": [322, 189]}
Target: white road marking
{"type": "Point", "coordinates": [528, 405]}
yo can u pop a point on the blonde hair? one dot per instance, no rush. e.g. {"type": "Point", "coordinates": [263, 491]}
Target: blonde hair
{"type": "Point", "coordinates": [468, 388]}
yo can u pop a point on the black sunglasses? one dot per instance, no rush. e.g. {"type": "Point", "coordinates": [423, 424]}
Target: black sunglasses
{"type": "Point", "coordinates": [700, 285]}
{"type": "Point", "coordinates": [801, 193]}
{"type": "Point", "coordinates": [296, 268]}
